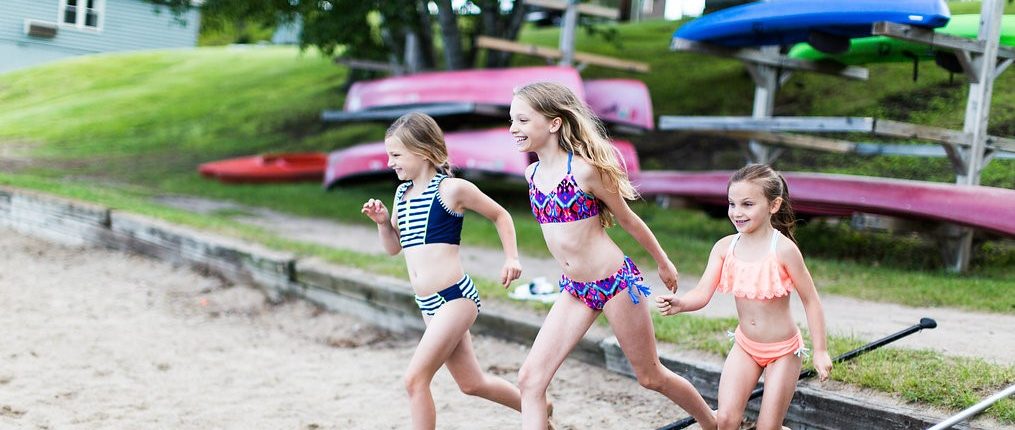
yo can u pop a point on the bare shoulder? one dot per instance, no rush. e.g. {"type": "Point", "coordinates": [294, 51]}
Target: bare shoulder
{"type": "Point", "coordinates": [723, 245]}
{"type": "Point", "coordinates": [584, 172]}
{"type": "Point", "coordinates": [788, 251]}
{"type": "Point", "coordinates": [455, 186]}
{"type": "Point", "coordinates": [530, 169]}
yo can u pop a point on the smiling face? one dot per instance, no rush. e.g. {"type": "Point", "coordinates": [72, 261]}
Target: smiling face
{"type": "Point", "coordinates": [531, 129]}
{"type": "Point", "coordinates": [406, 164]}
{"type": "Point", "coordinates": [749, 210]}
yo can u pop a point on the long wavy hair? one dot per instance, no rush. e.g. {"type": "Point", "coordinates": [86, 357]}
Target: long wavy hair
{"type": "Point", "coordinates": [582, 133]}
{"type": "Point", "coordinates": [422, 136]}
{"type": "Point", "coordinates": [773, 186]}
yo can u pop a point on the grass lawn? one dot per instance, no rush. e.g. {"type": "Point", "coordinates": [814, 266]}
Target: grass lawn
{"type": "Point", "coordinates": [119, 129]}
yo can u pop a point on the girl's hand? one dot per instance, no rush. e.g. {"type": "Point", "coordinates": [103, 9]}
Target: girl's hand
{"type": "Point", "coordinates": [668, 274]}
{"type": "Point", "coordinates": [823, 364]}
{"type": "Point", "coordinates": [377, 212]}
{"type": "Point", "coordinates": [669, 304]}
{"type": "Point", "coordinates": [512, 270]}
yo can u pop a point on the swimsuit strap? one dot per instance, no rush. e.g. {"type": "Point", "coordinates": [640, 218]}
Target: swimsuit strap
{"type": "Point", "coordinates": [570, 155]}
{"type": "Point", "coordinates": [775, 239]}
{"type": "Point", "coordinates": [729, 252]}
{"type": "Point", "coordinates": [401, 191]}
{"type": "Point", "coordinates": [436, 181]}
{"type": "Point", "coordinates": [532, 178]}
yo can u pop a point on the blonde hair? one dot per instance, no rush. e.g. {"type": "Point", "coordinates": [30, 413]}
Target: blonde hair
{"type": "Point", "coordinates": [773, 186]}
{"type": "Point", "coordinates": [422, 136]}
{"type": "Point", "coordinates": [582, 133]}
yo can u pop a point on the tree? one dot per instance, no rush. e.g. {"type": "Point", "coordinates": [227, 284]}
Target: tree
{"type": "Point", "coordinates": [378, 30]}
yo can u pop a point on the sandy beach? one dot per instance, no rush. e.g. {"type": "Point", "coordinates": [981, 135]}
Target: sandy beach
{"type": "Point", "coordinates": [99, 339]}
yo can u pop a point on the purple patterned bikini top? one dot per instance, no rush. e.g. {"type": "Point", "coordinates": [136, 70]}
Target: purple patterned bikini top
{"type": "Point", "coordinates": [565, 203]}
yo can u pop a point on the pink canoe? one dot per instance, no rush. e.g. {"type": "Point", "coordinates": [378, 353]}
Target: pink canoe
{"type": "Point", "coordinates": [624, 103]}
{"type": "Point", "coordinates": [981, 207]}
{"type": "Point", "coordinates": [493, 87]}
{"type": "Point", "coordinates": [268, 168]}
{"type": "Point", "coordinates": [484, 151]}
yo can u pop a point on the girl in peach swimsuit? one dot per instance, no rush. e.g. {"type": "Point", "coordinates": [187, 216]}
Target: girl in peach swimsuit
{"type": "Point", "coordinates": [760, 266]}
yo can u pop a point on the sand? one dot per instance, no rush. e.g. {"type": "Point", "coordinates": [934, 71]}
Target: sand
{"type": "Point", "coordinates": [99, 339]}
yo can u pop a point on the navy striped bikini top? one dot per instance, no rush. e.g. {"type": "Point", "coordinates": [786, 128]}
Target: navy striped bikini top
{"type": "Point", "coordinates": [426, 219]}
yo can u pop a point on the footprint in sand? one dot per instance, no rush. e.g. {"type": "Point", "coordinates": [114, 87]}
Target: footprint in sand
{"type": "Point", "coordinates": [10, 411]}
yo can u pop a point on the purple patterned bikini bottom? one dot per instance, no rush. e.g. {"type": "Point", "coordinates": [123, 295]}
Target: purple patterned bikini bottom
{"type": "Point", "coordinates": [596, 294]}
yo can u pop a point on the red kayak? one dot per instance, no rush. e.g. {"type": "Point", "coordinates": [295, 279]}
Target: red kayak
{"type": "Point", "coordinates": [291, 167]}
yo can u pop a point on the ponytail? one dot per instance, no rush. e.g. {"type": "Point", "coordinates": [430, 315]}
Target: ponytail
{"type": "Point", "coordinates": [784, 219]}
{"type": "Point", "coordinates": [445, 168]}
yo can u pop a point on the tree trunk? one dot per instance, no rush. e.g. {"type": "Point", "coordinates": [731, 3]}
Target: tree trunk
{"type": "Point", "coordinates": [426, 35]}
{"type": "Point", "coordinates": [453, 57]}
{"type": "Point", "coordinates": [507, 27]}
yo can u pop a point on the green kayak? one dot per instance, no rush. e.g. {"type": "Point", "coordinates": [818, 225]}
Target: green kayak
{"type": "Point", "coordinates": [883, 49]}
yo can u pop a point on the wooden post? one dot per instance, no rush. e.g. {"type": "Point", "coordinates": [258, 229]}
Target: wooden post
{"type": "Point", "coordinates": [567, 33]}
{"type": "Point", "coordinates": [766, 84]}
{"type": "Point", "coordinates": [975, 125]}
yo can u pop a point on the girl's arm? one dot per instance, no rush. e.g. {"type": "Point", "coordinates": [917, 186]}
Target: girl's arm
{"type": "Point", "coordinates": [386, 229]}
{"type": "Point", "coordinates": [628, 220]}
{"type": "Point", "coordinates": [463, 195]}
{"type": "Point", "coordinates": [702, 294]}
{"type": "Point", "coordinates": [793, 261]}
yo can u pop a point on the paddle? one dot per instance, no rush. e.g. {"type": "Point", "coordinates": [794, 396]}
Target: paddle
{"type": "Point", "coordinates": [924, 323]}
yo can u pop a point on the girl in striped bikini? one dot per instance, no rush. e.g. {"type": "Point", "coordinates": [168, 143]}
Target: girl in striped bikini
{"type": "Point", "coordinates": [586, 189]}
{"type": "Point", "coordinates": [427, 225]}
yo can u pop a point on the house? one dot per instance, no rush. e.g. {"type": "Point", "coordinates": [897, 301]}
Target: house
{"type": "Point", "coordinates": [38, 31]}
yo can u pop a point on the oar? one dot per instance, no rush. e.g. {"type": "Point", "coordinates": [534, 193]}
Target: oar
{"type": "Point", "coordinates": [924, 323]}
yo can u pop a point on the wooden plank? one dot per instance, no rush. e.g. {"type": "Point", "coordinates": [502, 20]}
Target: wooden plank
{"type": "Point", "coordinates": [797, 141]}
{"type": "Point", "coordinates": [777, 123]}
{"type": "Point", "coordinates": [929, 37]}
{"type": "Point", "coordinates": [583, 8]}
{"type": "Point", "coordinates": [757, 56]}
{"type": "Point", "coordinates": [555, 54]}
{"type": "Point", "coordinates": [880, 127]}
{"type": "Point", "coordinates": [887, 127]}
{"type": "Point", "coordinates": [1001, 143]}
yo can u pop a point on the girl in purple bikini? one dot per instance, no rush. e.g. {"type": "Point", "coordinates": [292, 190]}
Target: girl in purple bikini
{"type": "Point", "coordinates": [577, 189]}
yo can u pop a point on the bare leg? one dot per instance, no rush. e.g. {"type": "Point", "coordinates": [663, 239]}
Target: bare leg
{"type": "Point", "coordinates": [565, 324]}
{"type": "Point", "coordinates": [443, 333]}
{"type": "Point", "coordinates": [464, 367]}
{"type": "Point", "coordinates": [632, 325]}
{"type": "Point", "coordinates": [739, 376]}
{"type": "Point", "coordinates": [780, 383]}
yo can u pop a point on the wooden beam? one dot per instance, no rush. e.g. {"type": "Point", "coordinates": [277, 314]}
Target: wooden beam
{"type": "Point", "coordinates": [796, 140]}
{"type": "Point", "coordinates": [555, 54]}
{"type": "Point", "coordinates": [771, 124]}
{"type": "Point", "coordinates": [887, 127]}
{"type": "Point", "coordinates": [751, 55]}
{"type": "Point", "coordinates": [930, 37]}
{"type": "Point", "coordinates": [583, 8]}
{"type": "Point", "coordinates": [879, 127]}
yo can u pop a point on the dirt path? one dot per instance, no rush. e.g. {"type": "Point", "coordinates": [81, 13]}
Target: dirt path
{"type": "Point", "coordinates": [97, 339]}
{"type": "Point", "coordinates": [960, 333]}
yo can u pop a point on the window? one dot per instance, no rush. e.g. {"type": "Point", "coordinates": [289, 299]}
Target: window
{"type": "Point", "coordinates": [82, 13]}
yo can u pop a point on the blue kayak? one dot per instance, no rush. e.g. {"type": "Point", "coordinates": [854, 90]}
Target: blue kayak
{"type": "Point", "coordinates": [785, 22]}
